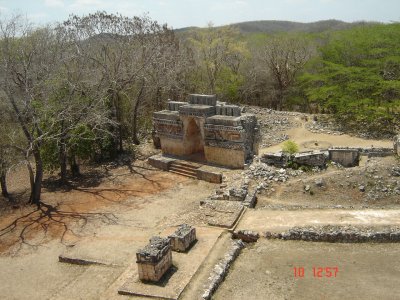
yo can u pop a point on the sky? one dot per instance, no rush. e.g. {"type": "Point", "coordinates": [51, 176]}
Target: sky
{"type": "Point", "coordinates": [184, 13]}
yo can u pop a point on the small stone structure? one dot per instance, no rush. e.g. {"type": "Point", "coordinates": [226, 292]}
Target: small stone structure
{"type": "Point", "coordinates": [183, 238]}
{"type": "Point", "coordinates": [347, 157]}
{"type": "Point", "coordinates": [215, 130]}
{"type": "Point", "coordinates": [278, 159]}
{"type": "Point", "coordinates": [315, 158]}
{"type": "Point", "coordinates": [311, 158]}
{"type": "Point", "coordinates": [397, 145]}
{"type": "Point", "coordinates": [154, 260]}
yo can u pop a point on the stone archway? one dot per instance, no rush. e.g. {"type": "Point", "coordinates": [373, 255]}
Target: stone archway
{"type": "Point", "coordinates": [193, 139]}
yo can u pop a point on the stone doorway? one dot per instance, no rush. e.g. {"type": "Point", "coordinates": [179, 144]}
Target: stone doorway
{"type": "Point", "coordinates": [194, 141]}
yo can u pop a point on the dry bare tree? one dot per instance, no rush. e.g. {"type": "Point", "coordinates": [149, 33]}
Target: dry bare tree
{"type": "Point", "coordinates": [283, 57]}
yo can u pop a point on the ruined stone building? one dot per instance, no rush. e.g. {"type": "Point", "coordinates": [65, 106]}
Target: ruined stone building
{"type": "Point", "coordinates": [207, 130]}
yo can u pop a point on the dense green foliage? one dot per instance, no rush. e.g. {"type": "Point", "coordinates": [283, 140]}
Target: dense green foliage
{"type": "Point", "coordinates": [356, 77]}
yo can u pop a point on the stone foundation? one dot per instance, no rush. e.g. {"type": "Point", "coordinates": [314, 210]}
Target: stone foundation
{"type": "Point", "coordinates": [154, 260]}
{"type": "Point", "coordinates": [183, 238]}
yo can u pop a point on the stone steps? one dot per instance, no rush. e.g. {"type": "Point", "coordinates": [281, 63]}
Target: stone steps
{"type": "Point", "coordinates": [184, 169]}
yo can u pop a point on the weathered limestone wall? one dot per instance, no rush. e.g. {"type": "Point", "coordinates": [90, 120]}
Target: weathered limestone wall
{"type": "Point", "coordinates": [224, 156]}
{"type": "Point", "coordinates": [312, 158]}
{"type": "Point", "coordinates": [346, 157]}
{"type": "Point", "coordinates": [172, 146]}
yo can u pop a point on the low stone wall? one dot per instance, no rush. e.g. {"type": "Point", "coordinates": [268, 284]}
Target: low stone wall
{"type": "Point", "coordinates": [340, 234]}
{"type": "Point", "coordinates": [278, 159]}
{"type": "Point", "coordinates": [311, 158]}
{"type": "Point", "coordinates": [251, 198]}
{"type": "Point", "coordinates": [377, 152]}
{"type": "Point", "coordinates": [247, 236]}
{"type": "Point", "coordinates": [221, 269]}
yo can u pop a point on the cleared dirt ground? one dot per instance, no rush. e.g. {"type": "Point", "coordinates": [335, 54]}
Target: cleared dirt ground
{"type": "Point", "coordinates": [265, 271]}
{"type": "Point", "coordinates": [115, 218]}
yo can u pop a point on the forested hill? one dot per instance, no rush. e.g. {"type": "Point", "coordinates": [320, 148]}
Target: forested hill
{"type": "Point", "coordinates": [272, 26]}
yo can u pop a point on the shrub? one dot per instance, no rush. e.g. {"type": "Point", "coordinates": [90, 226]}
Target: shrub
{"type": "Point", "coordinates": [290, 147]}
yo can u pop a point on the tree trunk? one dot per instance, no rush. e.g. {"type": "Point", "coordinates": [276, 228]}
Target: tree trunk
{"type": "Point", "coordinates": [119, 120]}
{"type": "Point", "coordinates": [3, 183]}
{"type": "Point", "coordinates": [63, 159]}
{"type": "Point", "coordinates": [37, 184]}
{"type": "Point", "coordinates": [63, 163]}
{"type": "Point", "coordinates": [74, 167]}
{"type": "Point", "coordinates": [135, 114]}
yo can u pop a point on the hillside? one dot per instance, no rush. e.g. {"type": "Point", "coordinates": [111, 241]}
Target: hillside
{"type": "Point", "coordinates": [273, 26]}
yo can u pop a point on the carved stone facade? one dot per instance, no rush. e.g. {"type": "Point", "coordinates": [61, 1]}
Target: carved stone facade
{"type": "Point", "coordinates": [219, 132]}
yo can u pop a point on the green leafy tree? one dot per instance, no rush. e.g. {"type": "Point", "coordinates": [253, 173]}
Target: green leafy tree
{"type": "Point", "coordinates": [357, 78]}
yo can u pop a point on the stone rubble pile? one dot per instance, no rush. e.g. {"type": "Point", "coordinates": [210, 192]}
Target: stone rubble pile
{"type": "Point", "coordinates": [272, 123]}
{"type": "Point", "coordinates": [324, 127]}
{"type": "Point", "coordinates": [395, 171]}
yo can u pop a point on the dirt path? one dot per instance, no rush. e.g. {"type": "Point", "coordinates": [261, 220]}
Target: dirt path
{"type": "Point", "coordinates": [303, 137]}
{"type": "Point", "coordinates": [275, 221]}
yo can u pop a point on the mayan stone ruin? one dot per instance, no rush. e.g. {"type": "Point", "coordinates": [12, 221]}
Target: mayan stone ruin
{"type": "Point", "coordinates": [215, 132]}
{"type": "Point", "coordinates": [183, 238]}
{"type": "Point", "coordinates": [154, 260]}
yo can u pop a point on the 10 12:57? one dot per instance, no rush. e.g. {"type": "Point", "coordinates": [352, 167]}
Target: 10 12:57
{"type": "Point", "coordinates": [318, 272]}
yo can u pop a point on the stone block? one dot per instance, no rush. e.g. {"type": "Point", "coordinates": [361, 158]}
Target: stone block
{"type": "Point", "coordinates": [278, 159]}
{"type": "Point", "coordinates": [160, 162]}
{"type": "Point", "coordinates": [183, 238]}
{"type": "Point", "coordinates": [210, 174]}
{"type": "Point", "coordinates": [224, 120]}
{"type": "Point", "coordinates": [174, 105]}
{"type": "Point", "coordinates": [154, 259]}
{"type": "Point", "coordinates": [203, 99]}
{"type": "Point", "coordinates": [197, 110]}
{"type": "Point", "coordinates": [311, 158]}
{"type": "Point", "coordinates": [229, 110]}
